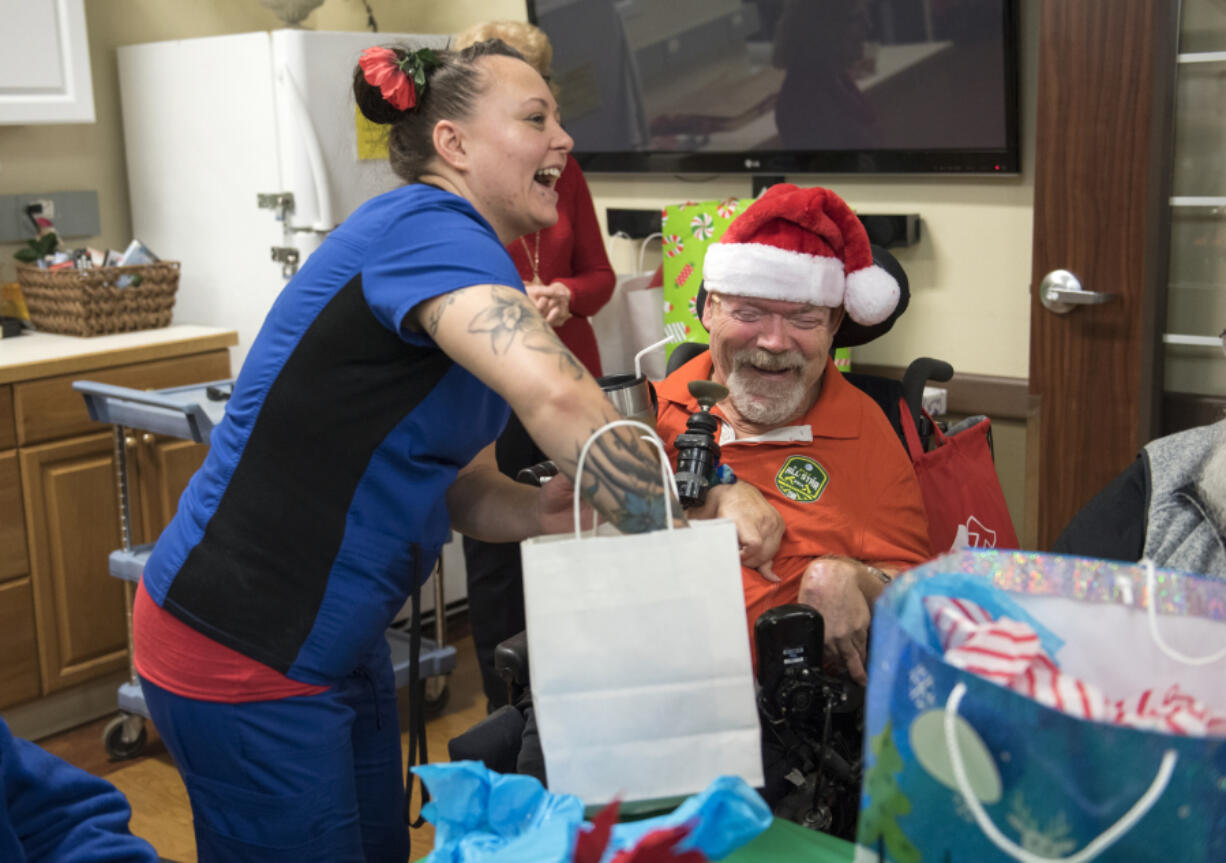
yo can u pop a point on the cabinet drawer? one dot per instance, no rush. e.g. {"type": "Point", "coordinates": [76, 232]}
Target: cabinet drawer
{"type": "Point", "coordinates": [8, 429]}
{"type": "Point", "coordinates": [18, 644]}
{"type": "Point", "coordinates": [14, 558]}
{"type": "Point", "coordinates": [49, 408]}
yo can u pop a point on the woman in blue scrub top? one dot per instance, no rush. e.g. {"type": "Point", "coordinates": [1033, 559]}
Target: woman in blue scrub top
{"type": "Point", "coordinates": [358, 434]}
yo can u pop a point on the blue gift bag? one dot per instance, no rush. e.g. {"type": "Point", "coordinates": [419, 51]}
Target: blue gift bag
{"type": "Point", "coordinates": [959, 769]}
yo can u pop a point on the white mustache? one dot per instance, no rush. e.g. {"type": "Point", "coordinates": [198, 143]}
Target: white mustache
{"type": "Point", "coordinates": [768, 361]}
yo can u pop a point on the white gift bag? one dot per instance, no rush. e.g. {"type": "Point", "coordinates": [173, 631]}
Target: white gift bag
{"type": "Point", "coordinates": [631, 320]}
{"type": "Point", "coordinates": [639, 660]}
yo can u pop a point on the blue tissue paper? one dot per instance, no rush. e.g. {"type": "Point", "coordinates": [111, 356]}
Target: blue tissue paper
{"type": "Point", "coordinates": [480, 816]}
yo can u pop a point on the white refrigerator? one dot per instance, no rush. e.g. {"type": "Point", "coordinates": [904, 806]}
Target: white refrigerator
{"type": "Point", "coordinates": [215, 126]}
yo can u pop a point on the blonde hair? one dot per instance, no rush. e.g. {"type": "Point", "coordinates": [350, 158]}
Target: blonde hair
{"type": "Point", "coordinates": [527, 39]}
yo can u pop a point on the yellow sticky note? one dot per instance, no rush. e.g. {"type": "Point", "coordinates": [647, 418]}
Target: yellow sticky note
{"type": "Point", "coordinates": [372, 138]}
{"type": "Point", "coordinates": [12, 303]}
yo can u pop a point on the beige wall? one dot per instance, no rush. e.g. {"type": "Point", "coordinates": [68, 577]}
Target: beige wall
{"type": "Point", "coordinates": [969, 273]}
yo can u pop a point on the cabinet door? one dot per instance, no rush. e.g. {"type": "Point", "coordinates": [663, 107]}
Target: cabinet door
{"type": "Point", "coordinates": [19, 669]}
{"type": "Point", "coordinates": [13, 558]}
{"type": "Point", "coordinates": [44, 63]}
{"type": "Point", "coordinates": [164, 466]}
{"type": "Point", "coordinates": [8, 428]}
{"type": "Point", "coordinates": [71, 509]}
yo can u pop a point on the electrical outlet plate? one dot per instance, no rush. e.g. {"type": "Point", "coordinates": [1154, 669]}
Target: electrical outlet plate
{"type": "Point", "coordinates": [936, 400]}
{"type": "Point", "coordinates": [635, 224]}
{"type": "Point", "coordinates": [75, 214]}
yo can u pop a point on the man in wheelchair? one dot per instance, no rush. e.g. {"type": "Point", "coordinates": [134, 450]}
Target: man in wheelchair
{"type": "Point", "coordinates": [814, 459]}
{"type": "Point", "coordinates": [825, 499]}
{"type": "Point", "coordinates": [791, 278]}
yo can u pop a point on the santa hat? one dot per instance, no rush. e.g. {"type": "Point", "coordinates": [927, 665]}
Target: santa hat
{"type": "Point", "coordinates": [803, 246]}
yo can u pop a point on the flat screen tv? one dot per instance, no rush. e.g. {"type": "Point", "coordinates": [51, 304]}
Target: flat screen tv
{"type": "Point", "coordinates": [787, 86]}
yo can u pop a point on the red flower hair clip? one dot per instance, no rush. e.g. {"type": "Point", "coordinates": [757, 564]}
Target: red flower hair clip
{"type": "Point", "coordinates": [399, 79]}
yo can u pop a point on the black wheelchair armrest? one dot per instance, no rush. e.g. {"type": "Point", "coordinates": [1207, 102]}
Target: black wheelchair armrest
{"type": "Point", "coordinates": [511, 660]}
{"type": "Point", "coordinates": [918, 373]}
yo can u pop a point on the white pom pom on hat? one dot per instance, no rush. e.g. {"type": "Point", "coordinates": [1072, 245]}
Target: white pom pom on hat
{"type": "Point", "coordinates": [802, 246]}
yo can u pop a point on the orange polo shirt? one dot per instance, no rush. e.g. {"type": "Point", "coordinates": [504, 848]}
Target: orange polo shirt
{"type": "Point", "coordinates": [840, 478]}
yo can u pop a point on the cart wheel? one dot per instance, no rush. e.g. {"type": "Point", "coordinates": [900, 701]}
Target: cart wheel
{"type": "Point", "coordinates": [438, 693]}
{"type": "Point", "coordinates": [124, 737]}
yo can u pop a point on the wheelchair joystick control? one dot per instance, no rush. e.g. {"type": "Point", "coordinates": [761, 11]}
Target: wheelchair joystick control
{"type": "Point", "coordinates": [697, 451]}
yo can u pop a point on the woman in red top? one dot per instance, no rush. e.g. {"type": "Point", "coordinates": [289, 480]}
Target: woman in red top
{"type": "Point", "coordinates": [567, 274]}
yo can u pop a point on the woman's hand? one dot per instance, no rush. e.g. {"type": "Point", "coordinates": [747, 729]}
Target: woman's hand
{"type": "Point", "coordinates": [552, 301]}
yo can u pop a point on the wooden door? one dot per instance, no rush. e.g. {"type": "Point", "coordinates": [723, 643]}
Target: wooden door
{"type": "Point", "coordinates": [1101, 192]}
{"type": "Point", "coordinates": [72, 515]}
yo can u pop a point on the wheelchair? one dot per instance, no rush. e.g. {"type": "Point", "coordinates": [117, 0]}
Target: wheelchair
{"type": "Point", "coordinates": [812, 726]}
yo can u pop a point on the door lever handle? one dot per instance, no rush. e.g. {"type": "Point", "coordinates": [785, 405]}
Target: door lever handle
{"type": "Point", "coordinates": [1061, 292]}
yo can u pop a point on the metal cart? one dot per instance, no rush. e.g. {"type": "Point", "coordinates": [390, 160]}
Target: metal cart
{"type": "Point", "coordinates": [191, 413]}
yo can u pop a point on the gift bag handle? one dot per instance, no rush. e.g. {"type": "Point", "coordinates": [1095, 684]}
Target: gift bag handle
{"type": "Point", "coordinates": [666, 474]}
{"type": "Point", "coordinates": [914, 447]}
{"type": "Point", "coordinates": [657, 235]}
{"type": "Point", "coordinates": [1126, 822]}
{"type": "Point", "coordinates": [1151, 608]}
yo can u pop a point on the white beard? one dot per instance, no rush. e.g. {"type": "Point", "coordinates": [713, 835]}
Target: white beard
{"type": "Point", "coordinates": [1212, 483]}
{"type": "Point", "coordinates": [762, 410]}
{"type": "Point", "coordinates": [766, 403]}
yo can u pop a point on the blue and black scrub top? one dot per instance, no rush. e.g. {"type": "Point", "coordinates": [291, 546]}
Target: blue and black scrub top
{"type": "Point", "coordinates": [294, 543]}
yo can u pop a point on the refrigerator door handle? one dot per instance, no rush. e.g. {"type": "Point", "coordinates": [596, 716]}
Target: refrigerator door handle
{"type": "Point", "coordinates": [323, 193]}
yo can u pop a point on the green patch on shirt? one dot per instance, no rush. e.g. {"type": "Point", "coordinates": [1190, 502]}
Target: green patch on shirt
{"type": "Point", "coordinates": [802, 479]}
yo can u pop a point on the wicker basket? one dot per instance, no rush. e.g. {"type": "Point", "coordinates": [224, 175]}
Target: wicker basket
{"type": "Point", "coordinates": [89, 303]}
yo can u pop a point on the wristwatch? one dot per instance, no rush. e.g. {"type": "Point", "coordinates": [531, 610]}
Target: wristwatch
{"type": "Point", "coordinates": [885, 577]}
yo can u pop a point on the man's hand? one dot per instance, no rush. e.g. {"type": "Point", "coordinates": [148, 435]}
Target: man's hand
{"type": "Point", "coordinates": [834, 587]}
{"type": "Point", "coordinates": [759, 526]}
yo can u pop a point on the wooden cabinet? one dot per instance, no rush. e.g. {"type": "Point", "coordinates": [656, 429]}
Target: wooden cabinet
{"type": "Point", "coordinates": [62, 616]}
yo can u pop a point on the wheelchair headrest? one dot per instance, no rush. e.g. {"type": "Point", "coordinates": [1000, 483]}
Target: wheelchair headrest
{"type": "Point", "coordinates": [851, 333]}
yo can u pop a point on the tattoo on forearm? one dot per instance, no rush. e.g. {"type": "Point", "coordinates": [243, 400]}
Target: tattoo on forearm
{"type": "Point", "coordinates": [436, 313]}
{"type": "Point", "coordinates": [512, 318]}
{"type": "Point", "coordinates": [622, 480]}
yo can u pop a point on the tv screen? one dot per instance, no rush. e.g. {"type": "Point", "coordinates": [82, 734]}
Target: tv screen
{"type": "Point", "coordinates": [787, 86]}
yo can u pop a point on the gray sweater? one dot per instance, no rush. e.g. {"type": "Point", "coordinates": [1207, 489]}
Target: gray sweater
{"type": "Point", "coordinates": [1180, 530]}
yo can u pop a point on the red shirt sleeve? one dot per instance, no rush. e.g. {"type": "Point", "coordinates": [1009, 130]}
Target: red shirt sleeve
{"type": "Point", "coordinates": [590, 275]}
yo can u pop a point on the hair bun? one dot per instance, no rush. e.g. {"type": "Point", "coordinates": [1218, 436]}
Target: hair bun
{"type": "Point", "coordinates": [401, 78]}
{"type": "Point", "coordinates": [372, 104]}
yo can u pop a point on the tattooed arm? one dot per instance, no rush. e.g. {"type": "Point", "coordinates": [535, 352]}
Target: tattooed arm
{"type": "Point", "coordinates": [497, 334]}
